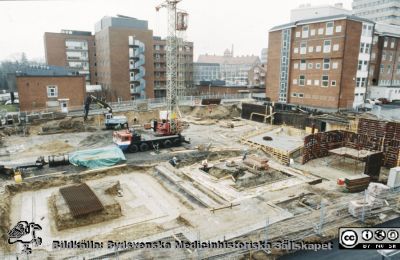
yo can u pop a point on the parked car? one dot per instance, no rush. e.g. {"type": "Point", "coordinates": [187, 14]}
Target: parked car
{"type": "Point", "coordinates": [16, 101]}
{"type": "Point", "coordinates": [384, 100]}
{"type": "Point", "coordinates": [373, 101]}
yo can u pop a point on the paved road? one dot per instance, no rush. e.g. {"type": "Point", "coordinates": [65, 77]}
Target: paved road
{"type": "Point", "coordinates": [336, 253]}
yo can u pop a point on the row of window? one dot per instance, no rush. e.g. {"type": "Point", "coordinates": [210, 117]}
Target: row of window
{"type": "Point", "coordinates": [389, 82]}
{"type": "Point", "coordinates": [392, 42]}
{"type": "Point", "coordinates": [326, 65]}
{"type": "Point", "coordinates": [306, 32]}
{"type": "Point", "coordinates": [299, 95]}
{"type": "Point", "coordinates": [324, 81]}
{"type": "Point", "coordinates": [325, 49]}
{"type": "Point", "coordinates": [389, 55]}
{"type": "Point", "coordinates": [389, 69]}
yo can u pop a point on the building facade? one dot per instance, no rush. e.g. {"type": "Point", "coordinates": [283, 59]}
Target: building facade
{"type": "Point", "coordinates": [384, 70]}
{"type": "Point", "coordinates": [320, 62]}
{"type": "Point", "coordinates": [384, 11]}
{"type": "Point", "coordinates": [206, 72]}
{"type": "Point", "coordinates": [72, 49]}
{"type": "Point", "coordinates": [185, 70]}
{"type": "Point", "coordinates": [233, 70]}
{"type": "Point", "coordinates": [308, 11]}
{"type": "Point", "coordinates": [122, 56]}
{"type": "Point", "coordinates": [53, 93]}
{"type": "Point", "coordinates": [124, 48]}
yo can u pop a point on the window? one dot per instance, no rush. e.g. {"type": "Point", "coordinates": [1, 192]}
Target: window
{"type": "Point", "coordinates": [305, 30]}
{"type": "Point", "coordinates": [297, 34]}
{"type": "Point", "coordinates": [335, 47]}
{"type": "Point", "coordinates": [329, 28]}
{"type": "Point", "coordinates": [325, 81]}
{"type": "Point", "coordinates": [367, 30]}
{"type": "Point", "coordinates": [360, 82]}
{"type": "Point", "coordinates": [52, 91]}
{"type": "Point", "coordinates": [326, 64]}
{"type": "Point", "coordinates": [157, 47]}
{"type": "Point", "coordinates": [333, 83]}
{"type": "Point", "coordinates": [316, 82]}
{"type": "Point", "coordinates": [390, 56]}
{"type": "Point", "coordinates": [392, 43]}
{"type": "Point", "coordinates": [296, 50]}
{"type": "Point", "coordinates": [302, 64]}
{"type": "Point", "coordinates": [338, 28]}
{"type": "Point", "coordinates": [310, 65]}
{"type": "Point", "coordinates": [367, 47]}
{"type": "Point", "coordinates": [309, 82]}
{"type": "Point", "coordinates": [359, 67]}
{"type": "Point", "coordinates": [318, 49]}
{"type": "Point", "coordinates": [335, 65]}
{"type": "Point", "coordinates": [318, 65]}
{"type": "Point", "coordinates": [310, 49]}
{"type": "Point", "coordinates": [327, 46]}
{"type": "Point", "coordinates": [389, 69]}
{"type": "Point", "coordinates": [373, 56]}
{"type": "Point", "coordinates": [312, 32]}
{"type": "Point", "coordinates": [385, 43]}
{"type": "Point", "coordinates": [382, 68]}
{"type": "Point", "coordinates": [294, 94]}
{"type": "Point", "coordinates": [320, 31]}
{"type": "Point", "coordinates": [302, 80]}
{"type": "Point", "coordinates": [294, 81]}
{"type": "Point", "coordinates": [303, 47]}
{"type": "Point", "coordinates": [300, 95]}
{"type": "Point", "coordinates": [362, 47]}
{"type": "Point", "coordinates": [383, 55]}
{"type": "Point", "coordinates": [296, 65]}
{"type": "Point", "coordinates": [398, 69]}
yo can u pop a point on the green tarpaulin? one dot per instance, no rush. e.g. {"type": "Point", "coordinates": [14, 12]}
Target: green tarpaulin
{"type": "Point", "coordinates": [97, 158]}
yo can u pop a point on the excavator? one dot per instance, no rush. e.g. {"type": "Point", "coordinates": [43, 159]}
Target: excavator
{"type": "Point", "coordinates": [111, 122]}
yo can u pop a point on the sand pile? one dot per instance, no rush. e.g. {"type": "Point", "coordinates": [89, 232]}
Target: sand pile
{"type": "Point", "coordinates": [215, 112]}
{"type": "Point", "coordinates": [67, 125]}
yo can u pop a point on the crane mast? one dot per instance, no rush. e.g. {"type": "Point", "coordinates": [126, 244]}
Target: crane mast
{"type": "Point", "coordinates": [177, 21]}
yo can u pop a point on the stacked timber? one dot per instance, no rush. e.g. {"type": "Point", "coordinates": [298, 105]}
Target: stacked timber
{"type": "Point", "coordinates": [357, 183]}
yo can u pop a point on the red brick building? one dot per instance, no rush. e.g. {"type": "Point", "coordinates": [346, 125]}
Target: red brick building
{"type": "Point", "coordinates": [55, 93]}
{"type": "Point", "coordinates": [72, 49]}
{"type": "Point", "coordinates": [315, 62]}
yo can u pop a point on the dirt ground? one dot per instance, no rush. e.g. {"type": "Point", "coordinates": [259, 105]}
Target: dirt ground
{"type": "Point", "coordinates": [155, 207]}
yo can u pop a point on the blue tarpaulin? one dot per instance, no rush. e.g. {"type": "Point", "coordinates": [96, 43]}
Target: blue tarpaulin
{"type": "Point", "coordinates": [97, 158]}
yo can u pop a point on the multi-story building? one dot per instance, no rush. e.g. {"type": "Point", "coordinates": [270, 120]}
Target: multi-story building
{"type": "Point", "coordinates": [122, 56]}
{"type": "Point", "coordinates": [257, 76]}
{"type": "Point", "coordinates": [308, 11]}
{"type": "Point", "coordinates": [264, 56]}
{"type": "Point", "coordinates": [124, 49]}
{"type": "Point", "coordinates": [384, 70]}
{"type": "Point", "coordinates": [233, 70]}
{"type": "Point", "coordinates": [72, 49]}
{"type": "Point", "coordinates": [384, 11]}
{"type": "Point", "coordinates": [320, 62]}
{"type": "Point", "coordinates": [206, 72]}
{"type": "Point", "coordinates": [185, 69]}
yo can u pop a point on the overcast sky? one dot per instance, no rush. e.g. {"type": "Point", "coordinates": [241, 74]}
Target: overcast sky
{"type": "Point", "coordinates": [214, 25]}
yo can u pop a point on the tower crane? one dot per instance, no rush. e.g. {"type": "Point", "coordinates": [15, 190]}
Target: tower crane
{"type": "Point", "coordinates": [176, 21]}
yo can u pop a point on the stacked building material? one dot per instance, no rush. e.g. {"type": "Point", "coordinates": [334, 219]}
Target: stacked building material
{"type": "Point", "coordinates": [357, 183]}
{"type": "Point", "coordinates": [378, 190]}
{"type": "Point", "coordinates": [356, 207]}
{"type": "Point", "coordinates": [394, 178]}
{"type": "Point", "coordinates": [257, 163]}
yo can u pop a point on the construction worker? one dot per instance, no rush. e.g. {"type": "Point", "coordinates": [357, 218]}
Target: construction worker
{"type": "Point", "coordinates": [174, 161]}
{"type": "Point", "coordinates": [204, 163]}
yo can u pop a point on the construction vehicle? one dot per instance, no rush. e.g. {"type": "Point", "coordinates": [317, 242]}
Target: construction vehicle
{"type": "Point", "coordinates": [166, 131]}
{"type": "Point", "coordinates": [162, 134]}
{"type": "Point", "coordinates": [111, 122]}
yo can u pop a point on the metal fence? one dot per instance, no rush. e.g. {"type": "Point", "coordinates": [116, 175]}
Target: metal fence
{"type": "Point", "coordinates": [122, 106]}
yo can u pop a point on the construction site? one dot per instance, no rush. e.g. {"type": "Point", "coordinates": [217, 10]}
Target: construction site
{"type": "Point", "coordinates": [235, 180]}
{"type": "Point", "coordinates": [179, 180]}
